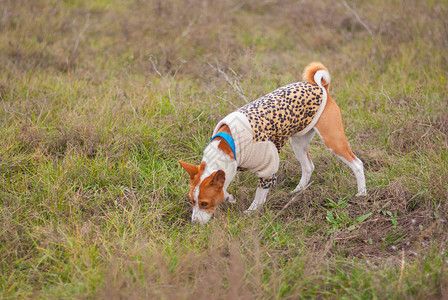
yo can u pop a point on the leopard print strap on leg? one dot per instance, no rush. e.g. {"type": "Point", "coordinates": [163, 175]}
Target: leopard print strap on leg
{"type": "Point", "coordinates": [267, 182]}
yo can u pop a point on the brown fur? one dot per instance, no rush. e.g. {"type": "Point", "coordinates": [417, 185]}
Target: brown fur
{"type": "Point", "coordinates": [195, 173]}
{"type": "Point", "coordinates": [332, 131]}
{"type": "Point", "coordinates": [330, 122]}
{"type": "Point", "coordinates": [223, 145]}
{"type": "Point", "coordinates": [210, 190]}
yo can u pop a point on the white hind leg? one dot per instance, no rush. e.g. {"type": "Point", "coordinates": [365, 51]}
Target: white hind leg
{"type": "Point", "coordinates": [331, 130]}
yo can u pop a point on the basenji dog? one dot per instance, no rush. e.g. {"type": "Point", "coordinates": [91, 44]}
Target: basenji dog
{"type": "Point", "coordinates": [252, 137]}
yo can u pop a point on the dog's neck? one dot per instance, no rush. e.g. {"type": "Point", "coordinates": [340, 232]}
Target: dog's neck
{"type": "Point", "coordinates": [215, 159]}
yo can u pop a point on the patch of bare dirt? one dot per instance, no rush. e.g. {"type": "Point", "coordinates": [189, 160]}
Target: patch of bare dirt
{"type": "Point", "coordinates": [398, 221]}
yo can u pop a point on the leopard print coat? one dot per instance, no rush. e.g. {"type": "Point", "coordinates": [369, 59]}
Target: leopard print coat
{"type": "Point", "coordinates": [278, 115]}
{"type": "Point", "coordinates": [282, 113]}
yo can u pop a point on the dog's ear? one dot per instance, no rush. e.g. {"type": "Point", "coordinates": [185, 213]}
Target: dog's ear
{"type": "Point", "coordinates": [191, 169]}
{"type": "Point", "coordinates": [218, 179]}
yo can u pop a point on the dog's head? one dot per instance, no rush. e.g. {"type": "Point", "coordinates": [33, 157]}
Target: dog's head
{"type": "Point", "coordinates": [205, 192]}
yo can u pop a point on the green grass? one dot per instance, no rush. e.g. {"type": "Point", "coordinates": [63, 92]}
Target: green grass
{"type": "Point", "coordinates": [100, 99]}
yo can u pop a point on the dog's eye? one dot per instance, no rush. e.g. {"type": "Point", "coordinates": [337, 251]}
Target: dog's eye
{"type": "Point", "coordinates": [204, 204]}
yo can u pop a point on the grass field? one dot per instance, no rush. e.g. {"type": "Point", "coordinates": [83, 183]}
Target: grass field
{"type": "Point", "coordinates": [100, 99]}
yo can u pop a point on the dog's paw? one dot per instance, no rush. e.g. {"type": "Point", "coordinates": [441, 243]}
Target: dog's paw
{"type": "Point", "coordinates": [295, 191]}
{"type": "Point", "coordinates": [301, 186]}
{"type": "Point", "coordinates": [247, 212]}
{"type": "Point", "coordinates": [361, 193]}
{"type": "Point", "coordinates": [231, 199]}
{"type": "Point", "coordinates": [298, 188]}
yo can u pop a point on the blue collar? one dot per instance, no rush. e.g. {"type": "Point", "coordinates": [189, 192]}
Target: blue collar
{"type": "Point", "coordinates": [228, 138]}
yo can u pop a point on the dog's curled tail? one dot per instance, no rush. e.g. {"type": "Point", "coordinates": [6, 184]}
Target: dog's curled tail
{"type": "Point", "coordinates": [317, 74]}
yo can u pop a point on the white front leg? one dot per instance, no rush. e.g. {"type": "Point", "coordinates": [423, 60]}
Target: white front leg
{"type": "Point", "coordinates": [259, 200]}
{"type": "Point", "coordinates": [229, 197]}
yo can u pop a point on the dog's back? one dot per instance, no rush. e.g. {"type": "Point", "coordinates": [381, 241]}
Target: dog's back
{"type": "Point", "coordinates": [286, 111]}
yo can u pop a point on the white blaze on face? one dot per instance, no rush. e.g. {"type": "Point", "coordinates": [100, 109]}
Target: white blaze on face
{"type": "Point", "coordinates": [199, 215]}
